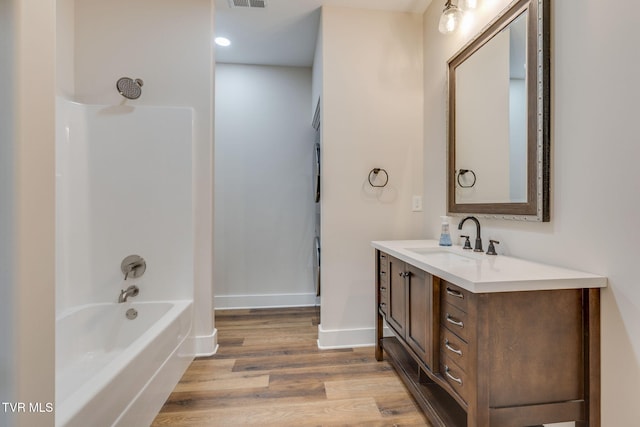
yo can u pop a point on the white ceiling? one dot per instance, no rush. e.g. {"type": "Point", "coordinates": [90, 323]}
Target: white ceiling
{"type": "Point", "coordinates": [285, 31]}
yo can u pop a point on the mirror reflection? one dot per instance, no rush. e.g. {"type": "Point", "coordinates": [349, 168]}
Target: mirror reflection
{"type": "Point", "coordinates": [491, 152]}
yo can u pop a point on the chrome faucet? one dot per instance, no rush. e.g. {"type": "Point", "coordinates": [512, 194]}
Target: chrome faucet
{"type": "Point", "coordinates": [131, 291]}
{"type": "Point", "coordinates": [478, 246]}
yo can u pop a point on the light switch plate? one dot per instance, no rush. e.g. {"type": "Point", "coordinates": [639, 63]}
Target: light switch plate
{"type": "Point", "coordinates": [416, 204]}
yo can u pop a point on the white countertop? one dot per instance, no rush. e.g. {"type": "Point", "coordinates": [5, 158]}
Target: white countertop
{"type": "Point", "coordinates": [481, 273]}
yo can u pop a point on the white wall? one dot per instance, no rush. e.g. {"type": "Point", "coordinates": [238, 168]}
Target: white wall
{"type": "Point", "coordinates": [372, 117]}
{"type": "Point", "coordinates": [27, 130]}
{"type": "Point", "coordinates": [594, 178]}
{"type": "Point", "coordinates": [517, 140]}
{"type": "Point", "coordinates": [264, 211]}
{"type": "Point", "coordinates": [316, 77]}
{"type": "Point", "coordinates": [169, 46]}
{"type": "Point", "coordinates": [65, 48]}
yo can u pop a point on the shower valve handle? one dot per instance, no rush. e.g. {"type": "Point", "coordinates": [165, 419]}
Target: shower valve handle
{"type": "Point", "coordinates": [134, 266]}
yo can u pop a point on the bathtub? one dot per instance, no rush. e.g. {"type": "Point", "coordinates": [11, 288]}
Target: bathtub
{"type": "Point", "coordinates": [113, 371]}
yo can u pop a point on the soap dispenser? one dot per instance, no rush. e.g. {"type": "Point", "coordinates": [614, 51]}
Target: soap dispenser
{"type": "Point", "coordinates": [445, 237]}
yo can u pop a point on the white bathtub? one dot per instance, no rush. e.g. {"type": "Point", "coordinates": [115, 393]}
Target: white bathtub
{"type": "Point", "coordinates": [114, 371]}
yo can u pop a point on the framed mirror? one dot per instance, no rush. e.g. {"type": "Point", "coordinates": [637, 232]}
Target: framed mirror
{"type": "Point", "coordinates": [499, 120]}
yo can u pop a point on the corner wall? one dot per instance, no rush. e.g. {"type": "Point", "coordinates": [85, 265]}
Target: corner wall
{"type": "Point", "coordinates": [372, 117]}
{"type": "Point", "coordinates": [27, 256]}
{"type": "Point", "coordinates": [594, 174]}
{"type": "Point", "coordinates": [7, 202]}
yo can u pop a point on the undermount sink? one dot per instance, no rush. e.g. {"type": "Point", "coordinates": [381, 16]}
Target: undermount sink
{"type": "Point", "coordinates": [442, 253]}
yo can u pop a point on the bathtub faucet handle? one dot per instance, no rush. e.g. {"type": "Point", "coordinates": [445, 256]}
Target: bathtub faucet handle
{"type": "Point", "coordinates": [134, 266]}
{"type": "Point", "coordinates": [131, 269]}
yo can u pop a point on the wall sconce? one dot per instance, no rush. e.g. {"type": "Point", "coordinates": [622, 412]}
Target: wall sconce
{"type": "Point", "coordinates": [450, 19]}
{"type": "Point", "coordinates": [453, 13]}
{"type": "Point", "coordinates": [468, 4]}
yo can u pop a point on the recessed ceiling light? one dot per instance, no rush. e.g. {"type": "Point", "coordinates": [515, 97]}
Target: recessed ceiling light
{"type": "Point", "coordinates": [222, 41]}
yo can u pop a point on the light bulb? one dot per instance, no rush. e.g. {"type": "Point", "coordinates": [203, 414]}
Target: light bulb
{"type": "Point", "coordinates": [222, 41]}
{"type": "Point", "coordinates": [468, 4]}
{"type": "Point", "coordinates": [450, 19]}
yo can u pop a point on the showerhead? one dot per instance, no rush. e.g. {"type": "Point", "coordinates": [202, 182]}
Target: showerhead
{"type": "Point", "coordinates": [129, 88]}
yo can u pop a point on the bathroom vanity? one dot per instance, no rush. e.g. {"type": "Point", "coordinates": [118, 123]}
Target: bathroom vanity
{"type": "Point", "coordinates": [484, 340]}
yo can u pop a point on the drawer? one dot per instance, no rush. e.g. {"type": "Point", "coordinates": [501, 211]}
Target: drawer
{"type": "Point", "coordinates": [384, 307]}
{"type": "Point", "coordinates": [455, 295]}
{"type": "Point", "coordinates": [456, 321]}
{"type": "Point", "coordinates": [384, 262]}
{"type": "Point", "coordinates": [383, 282]}
{"type": "Point", "coordinates": [384, 297]}
{"type": "Point", "coordinates": [384, 276]}
{"type": "Point", "coordinates": [455, 377]}
{"type": "Point", "coordinates": [454, 348]}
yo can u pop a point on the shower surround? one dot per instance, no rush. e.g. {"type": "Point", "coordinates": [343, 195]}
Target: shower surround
{"type": "Point", "coordinates": [123, 187]}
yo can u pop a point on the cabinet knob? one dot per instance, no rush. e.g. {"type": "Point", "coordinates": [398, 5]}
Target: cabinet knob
{"type": "Point", "coordinates": [404, 274]}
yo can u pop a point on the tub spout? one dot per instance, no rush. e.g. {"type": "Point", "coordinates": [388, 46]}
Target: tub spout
{"type": "Point", "coordinates": [131, 291]}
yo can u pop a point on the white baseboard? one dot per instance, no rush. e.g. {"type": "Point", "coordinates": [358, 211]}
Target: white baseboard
{"type": "Point", "coordinates": [348, 338]}
{"type": "Point", "coordinates": [206, 345]}
{"type": "Point", "coordinates": [227, 302]}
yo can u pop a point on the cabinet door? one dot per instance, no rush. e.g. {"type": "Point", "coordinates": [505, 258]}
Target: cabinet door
{"type": "Point", "coordinates": [420, 324]}
{"type": "Point", "coordinates": [397, 293]}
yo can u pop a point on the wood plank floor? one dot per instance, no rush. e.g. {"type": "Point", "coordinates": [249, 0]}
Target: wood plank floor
{"type": "Point", "coordinates": [269, 371]}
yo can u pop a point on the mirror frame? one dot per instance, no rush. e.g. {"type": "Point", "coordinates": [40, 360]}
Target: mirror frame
{"type": "Point", "coordinates": [536, 208]}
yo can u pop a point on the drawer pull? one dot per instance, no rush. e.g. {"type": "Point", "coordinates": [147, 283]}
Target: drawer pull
{"type": "Point", "coordinates": [404, 274]}
{"type": "Point", "coordinates": [454, 321]}
{"type": "Point", "coordinates": [383, 273]}
{"type": "Point", "coordinates": [383, 256]}
{"type": "Point", "coordinates": [455, 293]}
{"type": "Point", "coordinates": [446, 372]}
{"type": "Point", "coordinates": [383, 289]}
{"type": "Point", "coordinates": [452, 349]}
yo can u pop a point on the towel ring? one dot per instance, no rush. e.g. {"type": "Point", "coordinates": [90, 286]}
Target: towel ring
{"type": "Point", "coordinates": [463, 172]}
{"type": "Point", "coordinates": [374, 173]}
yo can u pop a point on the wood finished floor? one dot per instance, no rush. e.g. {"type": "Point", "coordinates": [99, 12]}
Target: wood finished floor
{"type": "Point", "coordinates": [269, 371]}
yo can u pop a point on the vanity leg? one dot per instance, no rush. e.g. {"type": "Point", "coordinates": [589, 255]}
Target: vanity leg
{"type": "Point", "coordinates": [591, 307]}
{"type": "Point", "coordinates": [378, 337]}
{"type": "Point", "coordinates": [379, 324]}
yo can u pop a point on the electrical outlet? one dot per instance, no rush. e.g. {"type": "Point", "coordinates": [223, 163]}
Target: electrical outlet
{"type": "Point", "coordinates": [416, 204]}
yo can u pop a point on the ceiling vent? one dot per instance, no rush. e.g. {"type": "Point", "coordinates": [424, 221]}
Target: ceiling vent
{"type": "Point", "coordinates": [258, 4]}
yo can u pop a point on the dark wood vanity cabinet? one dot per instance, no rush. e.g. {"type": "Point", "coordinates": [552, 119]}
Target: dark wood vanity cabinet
{"type": "Point", "coordinates": [507, 359]}
{"type": "Point", "coordinates": [405, 301]}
